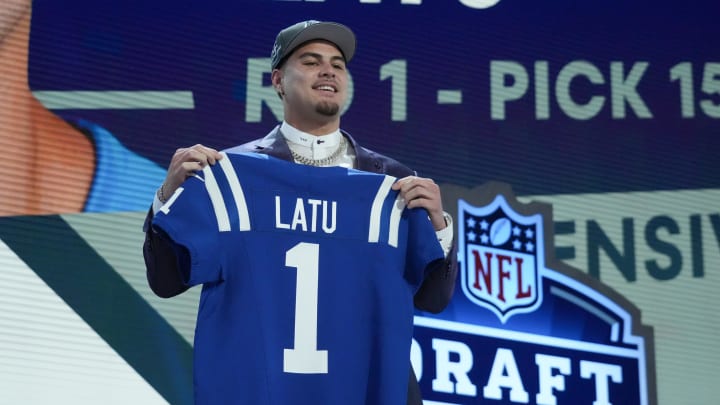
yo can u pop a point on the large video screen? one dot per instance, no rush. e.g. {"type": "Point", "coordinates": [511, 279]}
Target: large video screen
{"type": "Point", "coordinates": [605, 113]}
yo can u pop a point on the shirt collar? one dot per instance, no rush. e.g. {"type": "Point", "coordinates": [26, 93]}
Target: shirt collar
{"type": "Point", "coordinates": [314, 142]}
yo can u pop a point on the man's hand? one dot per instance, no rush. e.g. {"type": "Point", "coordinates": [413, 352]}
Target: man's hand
{"type": "Point", "coordinates": [424, 193]}
{"type": "Point", "coordinates": [185, 162]}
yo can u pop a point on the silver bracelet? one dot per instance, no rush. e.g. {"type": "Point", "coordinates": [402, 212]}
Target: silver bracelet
{"type": "Point", "coordinates": [161, 194]}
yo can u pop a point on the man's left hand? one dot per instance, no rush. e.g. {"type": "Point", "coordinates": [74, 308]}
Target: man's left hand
{"type": "Point", "coordinates": [424, 193]}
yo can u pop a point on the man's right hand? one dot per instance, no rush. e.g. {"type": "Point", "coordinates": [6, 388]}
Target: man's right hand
{"type": "Point", "coordinates": [185, 162]}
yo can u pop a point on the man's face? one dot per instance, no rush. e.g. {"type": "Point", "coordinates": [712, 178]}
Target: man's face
{"type": "Point", "coordinates": [313, 81]}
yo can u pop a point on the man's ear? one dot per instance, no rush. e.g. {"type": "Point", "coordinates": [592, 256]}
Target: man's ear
{"type": "Point", "coordinates": [277, 78]}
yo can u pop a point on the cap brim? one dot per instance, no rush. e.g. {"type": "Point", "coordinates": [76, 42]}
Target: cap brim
{"type": "Point", "coordinates": [338, 34]}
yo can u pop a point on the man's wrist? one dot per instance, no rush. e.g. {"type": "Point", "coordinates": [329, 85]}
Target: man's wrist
{"type": "Point", "coordinates": [159, 200]}
{"type": "Point", "coordinates": [446, 235]}
{"type": "Point", "coordinates": [447, 218]}
{"type": "Point", "coordinates": [161, 194]}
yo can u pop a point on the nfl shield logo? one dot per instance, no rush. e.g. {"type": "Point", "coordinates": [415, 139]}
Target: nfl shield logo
{"type": "Point", "coordinates": [501, 254]}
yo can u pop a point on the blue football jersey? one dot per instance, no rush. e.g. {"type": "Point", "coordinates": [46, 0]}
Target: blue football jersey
{"type": "Point", "coordinates": [308, 278]}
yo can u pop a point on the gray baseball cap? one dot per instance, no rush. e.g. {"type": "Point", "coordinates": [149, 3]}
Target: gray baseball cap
{"type": "Point", "coordinates": [297, 34]}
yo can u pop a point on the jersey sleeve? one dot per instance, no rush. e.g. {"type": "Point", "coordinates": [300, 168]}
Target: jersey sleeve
{"type": "Point", "coordinates": [188, 219]}
{"type": "Point", "coordinates": [423, 246]}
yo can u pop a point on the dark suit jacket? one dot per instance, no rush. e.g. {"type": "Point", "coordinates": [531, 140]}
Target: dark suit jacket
{"type": "Point", "coordinates": [162, 256]}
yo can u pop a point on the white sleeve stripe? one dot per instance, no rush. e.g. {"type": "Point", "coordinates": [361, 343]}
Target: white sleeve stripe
{"type": "Point", "coordinates": [166, 207]}
{"type": "Point", "coordinates": [397, 210]}
{"type": "Point", "coordinates": [376, 210]}
{"type": "Point", "coordinates": [237, 192]}
{"type": "Point", "coordinates": [217, 200]}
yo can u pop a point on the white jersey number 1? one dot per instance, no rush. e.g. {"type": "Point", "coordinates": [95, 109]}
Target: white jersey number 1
{"type": "Point", "coordinates": [304, 357]}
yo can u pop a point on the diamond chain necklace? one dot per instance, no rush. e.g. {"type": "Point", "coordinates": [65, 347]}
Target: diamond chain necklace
{"type": "Point", "coordinates": [328, 161]}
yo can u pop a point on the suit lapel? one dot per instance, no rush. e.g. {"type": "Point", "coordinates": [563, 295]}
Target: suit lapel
{"type": "Point", "coordinates": [364, 160]}
{"type": "Point", "coordinates": [274, 144]}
